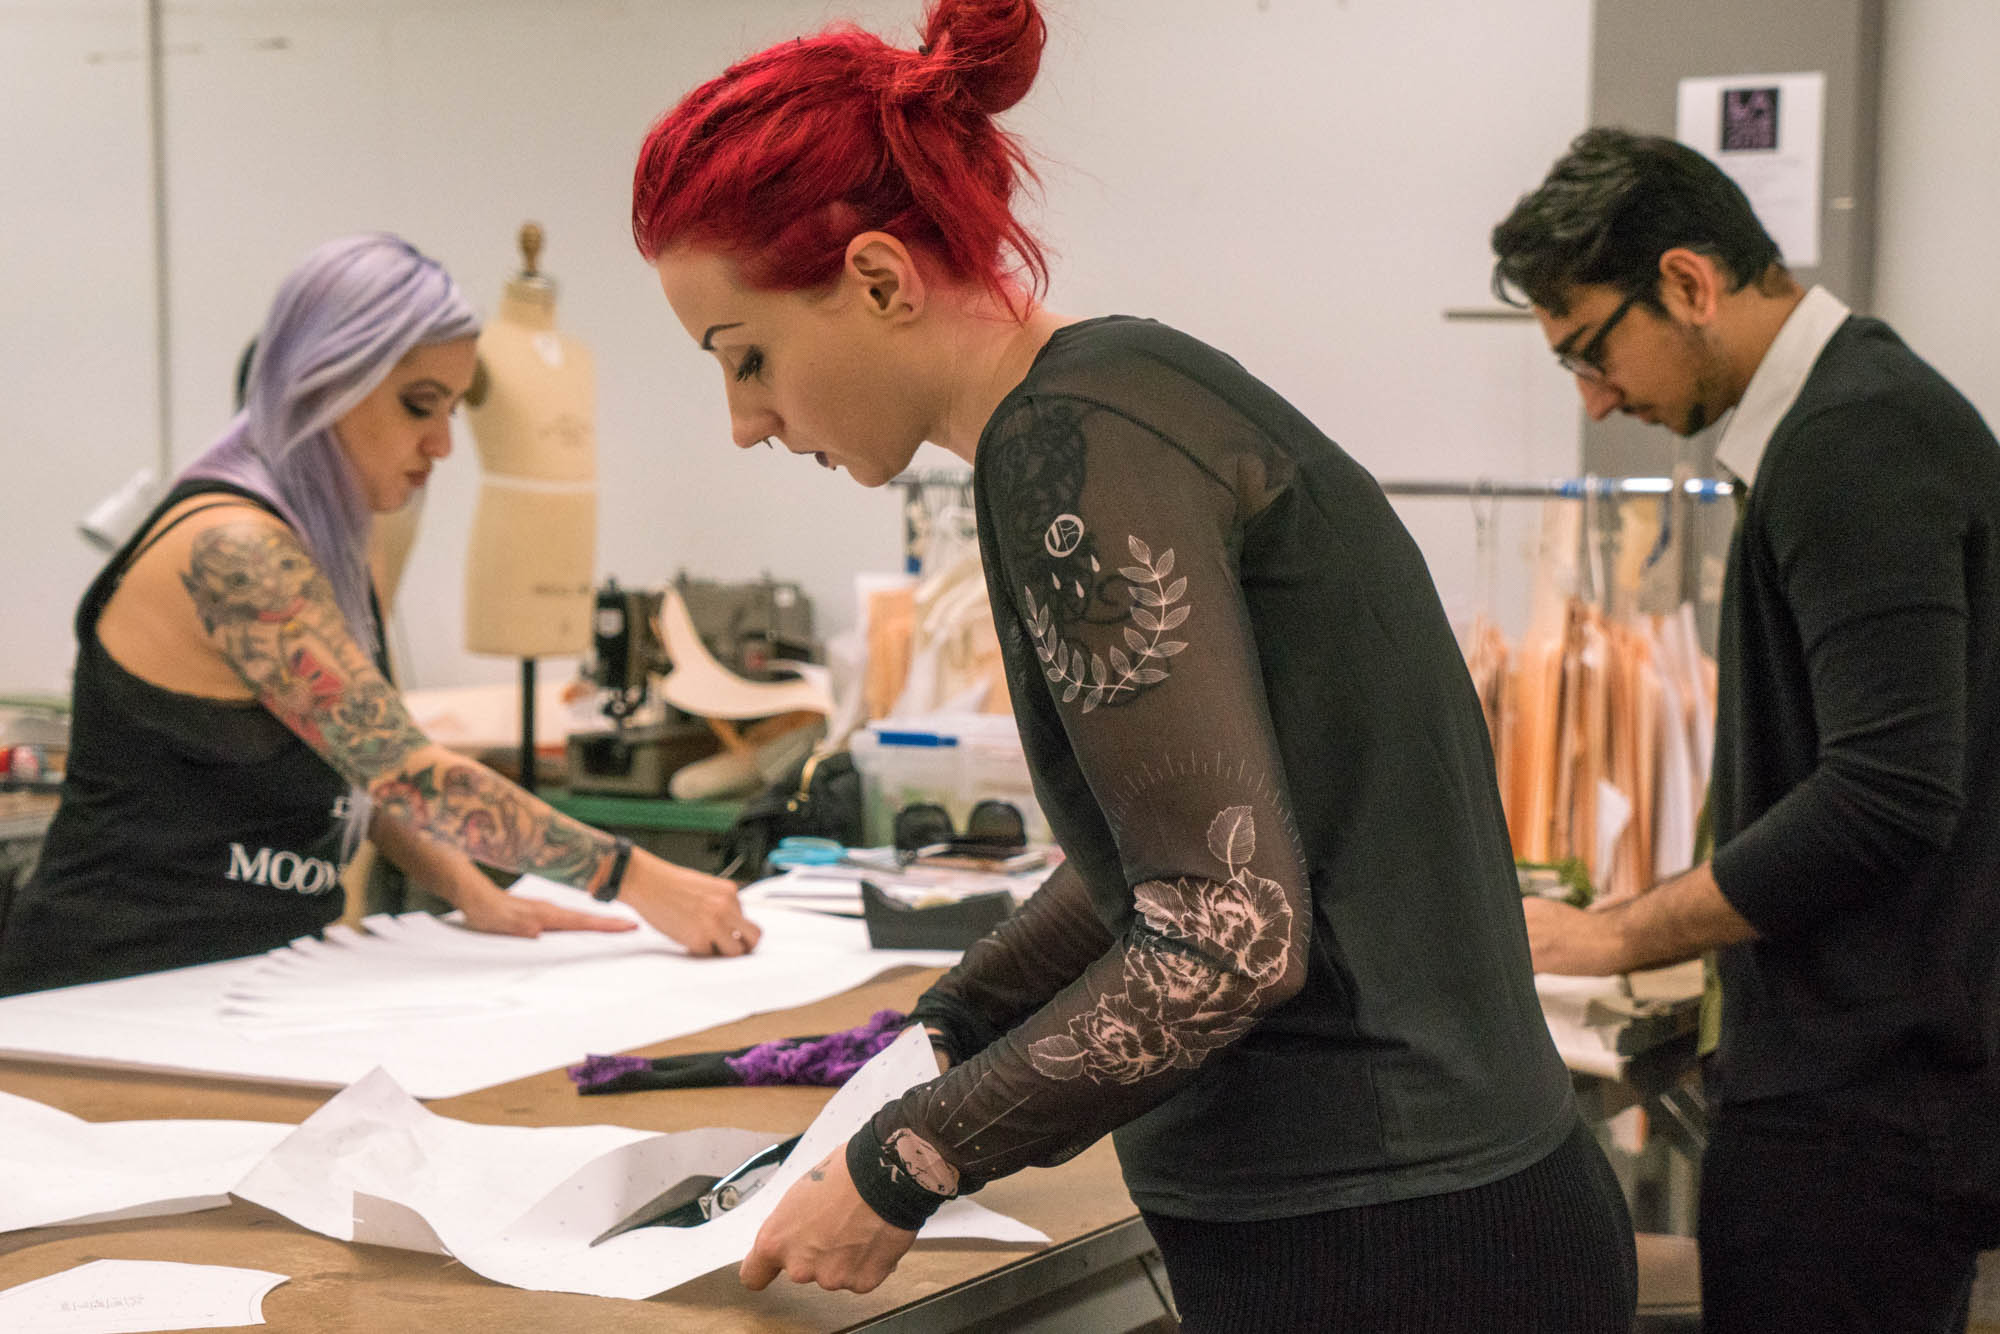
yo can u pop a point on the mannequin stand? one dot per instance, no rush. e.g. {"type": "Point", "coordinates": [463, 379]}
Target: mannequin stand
{"type": "Point", "coordinates": [527, 724]}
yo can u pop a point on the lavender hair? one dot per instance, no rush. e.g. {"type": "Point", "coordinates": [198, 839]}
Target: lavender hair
{"type": "Point", "coordinates": [340, 322]}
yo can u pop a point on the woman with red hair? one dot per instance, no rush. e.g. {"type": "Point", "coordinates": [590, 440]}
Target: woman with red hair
{"type": "Point", "coordinates": [1283, 961]}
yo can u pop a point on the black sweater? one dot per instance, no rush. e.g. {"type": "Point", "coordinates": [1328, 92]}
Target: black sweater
{"type": "Point", "coordinates": [1285, 959]}
{"type": "Point", "coordinates": [1856, 789]}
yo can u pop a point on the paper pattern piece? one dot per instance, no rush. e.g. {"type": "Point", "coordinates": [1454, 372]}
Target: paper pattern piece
{"type": "Point", "coordinates": [521, 1205]}
{"type": "Point", "coordinates": [57, 1168]}
{"type": "Point", "coordinates": [1591, 1049]}
{"type": "Point", "coordinates": [443, 1009]}
{"type": "Point", "coordinates": [131, 1296]}
{"type": "Point", "coordinates": [836, 890]}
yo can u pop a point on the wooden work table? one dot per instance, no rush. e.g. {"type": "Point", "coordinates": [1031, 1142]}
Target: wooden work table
{"type": "Point", "coordinates": [337, 1287]}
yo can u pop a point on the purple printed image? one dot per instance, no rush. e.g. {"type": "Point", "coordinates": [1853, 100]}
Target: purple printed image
{"type": "Point", "coordinates": [1749, 120]}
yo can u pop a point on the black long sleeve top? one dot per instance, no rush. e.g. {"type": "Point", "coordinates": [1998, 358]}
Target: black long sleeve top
{"type": "Point", "coordinates": [1856, 791]}
{"type": "Point", "coordinates": [1285, 959]}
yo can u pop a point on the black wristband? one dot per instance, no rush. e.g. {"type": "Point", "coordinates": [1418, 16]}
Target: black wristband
{"type": "Point", "coordinates": [615, 881]}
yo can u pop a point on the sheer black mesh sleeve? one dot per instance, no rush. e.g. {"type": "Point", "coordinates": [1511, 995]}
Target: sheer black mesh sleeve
{"type": "Point", "coordinates": [1115, 551]}
{"type": "Point", "coordinates": [1013, 972]}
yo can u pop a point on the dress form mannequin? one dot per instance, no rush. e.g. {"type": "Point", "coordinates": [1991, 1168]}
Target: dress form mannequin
{"type": "Point", "coordinates": [531, 563]}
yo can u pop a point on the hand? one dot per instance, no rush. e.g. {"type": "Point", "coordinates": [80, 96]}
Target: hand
{"type": "Point", "coordinates": [1571, 941]}
{"type": "Point", "coordinates": [503, 914]}
{"type": "Point", "coordinates": [698, 911]}
{"type": "Point", "coordinates": [823, 1232]}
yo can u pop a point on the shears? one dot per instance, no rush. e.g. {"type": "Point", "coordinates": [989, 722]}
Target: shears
{"type": "Point", "coordinates": [694, 1200]}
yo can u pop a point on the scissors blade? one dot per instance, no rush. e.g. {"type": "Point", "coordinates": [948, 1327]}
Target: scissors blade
{"type": "Point", "coordinates": [747, 1179]}
{"type": "Point", "coordinates": [677, 1196]}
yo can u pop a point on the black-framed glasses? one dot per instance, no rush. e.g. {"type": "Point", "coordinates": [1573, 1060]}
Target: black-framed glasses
{"type": "Point", "coordinates": [991, 826]}
{"type": "Point", "coordinates": [1586, 363]}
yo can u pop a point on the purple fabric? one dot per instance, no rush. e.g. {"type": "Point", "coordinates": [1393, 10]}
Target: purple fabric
{"type": "Point", "coordinates": [597, 1070]}
{"type": "Point", "coordinates": [828, 1060]}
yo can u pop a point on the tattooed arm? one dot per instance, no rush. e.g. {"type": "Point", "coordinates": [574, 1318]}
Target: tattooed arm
{"type": "Point", "coordinates": [443, 870]}
{"type": "Point", "coordinates": [268, 610]}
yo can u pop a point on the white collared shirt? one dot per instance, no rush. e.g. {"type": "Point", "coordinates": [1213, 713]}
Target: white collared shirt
{"type": "Point", "coordinates": [1775, 385]}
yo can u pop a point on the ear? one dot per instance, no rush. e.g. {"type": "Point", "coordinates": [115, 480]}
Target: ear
{"type": "Point", "coordinates": [882, 270]}
{"type": "Point", "coordinates": [1691, 285]}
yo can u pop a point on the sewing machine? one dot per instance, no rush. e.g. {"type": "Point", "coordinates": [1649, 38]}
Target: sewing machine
{"type": "Point", "coordinates": [743, 628]}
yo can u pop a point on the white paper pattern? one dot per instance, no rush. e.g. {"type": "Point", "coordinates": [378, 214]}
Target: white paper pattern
{"type": "Point", "coordinates": [130, 1296]}
{"type": "Point", "coordinates": [444, 1010]}
{"type": "Point", "coordinates": [520, 1206]}
{"type": "Point", "coordinates": [59, 1168]}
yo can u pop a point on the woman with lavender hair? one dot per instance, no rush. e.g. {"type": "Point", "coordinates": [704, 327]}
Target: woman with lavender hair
{"type": "Point", "coordinates": [234, 731]}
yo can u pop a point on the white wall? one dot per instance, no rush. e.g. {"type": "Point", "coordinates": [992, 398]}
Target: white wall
{"type": "Point", "coordinates": [1937, 276]}
{"type": "Point", "coordinates": [79, 412]}
{"type": "Point", "coordinates": [1306, 183]}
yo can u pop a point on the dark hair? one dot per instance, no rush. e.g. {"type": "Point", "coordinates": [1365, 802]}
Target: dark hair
{"type": "Point", "coordinates": [787, 155]}
{"type": "Point", "coordinates": [1610, 207]}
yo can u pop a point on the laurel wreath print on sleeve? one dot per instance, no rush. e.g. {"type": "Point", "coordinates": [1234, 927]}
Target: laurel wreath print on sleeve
{"type": "Point", "coordinates": [1116, 674]}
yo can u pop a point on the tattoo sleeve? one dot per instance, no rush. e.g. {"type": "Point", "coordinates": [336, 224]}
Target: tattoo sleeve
{"type": "Point", "coordinates": [269, 609]}
{"type": "Point", "coordinates": [266, 605]}
{"type": "Point", "coordinates": [495, 822]}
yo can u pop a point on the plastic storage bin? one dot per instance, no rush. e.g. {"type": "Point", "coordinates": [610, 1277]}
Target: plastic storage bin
{"type": "Point", "coordinates": [955, 761]}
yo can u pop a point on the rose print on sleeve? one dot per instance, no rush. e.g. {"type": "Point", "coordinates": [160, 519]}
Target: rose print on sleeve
{"type": "Point", "coordinates": [1204, 953]}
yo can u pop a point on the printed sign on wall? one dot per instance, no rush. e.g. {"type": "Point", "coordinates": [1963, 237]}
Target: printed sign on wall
{"type": "Point", "coordinates": [1766, 131]}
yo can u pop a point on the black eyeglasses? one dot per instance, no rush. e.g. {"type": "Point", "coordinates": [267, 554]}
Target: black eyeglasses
{"type": "Point", "coordinates": [992, 827]}
{"type": "Point", "coordinates": [1586, 363]}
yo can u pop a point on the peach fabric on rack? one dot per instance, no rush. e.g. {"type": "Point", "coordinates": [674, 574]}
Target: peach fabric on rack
{"type": "Point", "coordinates": [1602, 725]}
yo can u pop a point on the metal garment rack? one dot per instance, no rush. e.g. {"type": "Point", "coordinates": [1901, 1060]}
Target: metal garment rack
{"type": "Point", "coordinates": [919, 513]}
{"type": "Point", "coordinates": [1587, 487]}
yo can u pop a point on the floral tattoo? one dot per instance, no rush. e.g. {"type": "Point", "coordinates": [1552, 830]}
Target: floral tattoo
{"type": "Point", "coordinates": [270, 610]}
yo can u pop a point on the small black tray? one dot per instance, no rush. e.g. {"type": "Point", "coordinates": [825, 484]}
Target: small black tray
{"type": "Point", "coordinates": [894, 925]}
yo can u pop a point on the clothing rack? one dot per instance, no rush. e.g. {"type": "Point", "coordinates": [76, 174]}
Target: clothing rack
{"type": "Point", "coordinates": [1588, 487]}
{"type": "Point", "coordinates": [1566, 488]}
{"type": "Point", "coordinates": [929, 495]}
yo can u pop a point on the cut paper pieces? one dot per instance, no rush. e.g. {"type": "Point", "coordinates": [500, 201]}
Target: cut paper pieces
{"type": "Point", "coordinates": [1589, 1017]}
{"type": "Point", "coordinates": [521, 1206]}
{"type": "Point", "coordinates": [445, 1010]}
{"type": "Point", "coordinates": [131, 1296]}
{"type": "Point", "coordinates": [60, 1168]}
{"type": "Point", "coordinates": [1591, 1048]}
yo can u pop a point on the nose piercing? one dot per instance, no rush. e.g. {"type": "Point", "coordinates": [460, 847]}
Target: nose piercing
{"type": "Point", "coordinates": [766, 442]}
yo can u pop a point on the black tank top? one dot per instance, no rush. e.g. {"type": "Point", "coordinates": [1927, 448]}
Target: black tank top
{"type": "Point", "coordinates": [190, 829]}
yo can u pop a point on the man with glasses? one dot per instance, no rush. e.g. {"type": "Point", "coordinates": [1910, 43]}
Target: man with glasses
{"type": "Point", "coordinates": [1853, 899]}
